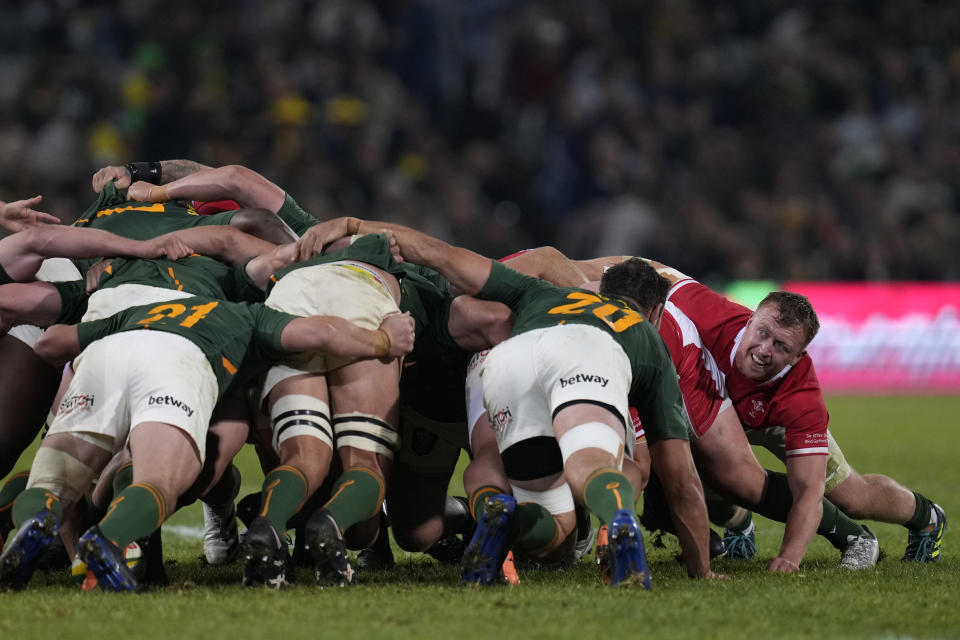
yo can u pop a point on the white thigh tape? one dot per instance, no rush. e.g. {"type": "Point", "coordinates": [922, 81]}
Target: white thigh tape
{"type": "Point", "coordinates": [556, 501]}
{"type": "Point", "coordinates": [298, 414]}
{"type": "Point", "coordinates": [592, 435]}
{"type": "Point", "coordinates": [60, 473]}
{"type": "Point", "coordinates": [365, 432]}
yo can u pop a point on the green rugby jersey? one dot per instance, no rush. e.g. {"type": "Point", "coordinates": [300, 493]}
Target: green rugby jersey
{"type": "Point", "coordinates": [295, 217]}
{"type": "Point", "coordinates": [144, 220]}
{"type": "Point", "coordinates": [198, 275]}
{"type": "Point", "coordinates": [228, 333]}
{"type": "Point", "coordinates": [4, 276]}
{"type": "Point", "coordinates": [654, 391]}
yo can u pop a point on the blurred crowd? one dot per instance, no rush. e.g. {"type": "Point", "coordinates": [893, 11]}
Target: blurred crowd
{"type": "Point", "coordinates": [742, 139]}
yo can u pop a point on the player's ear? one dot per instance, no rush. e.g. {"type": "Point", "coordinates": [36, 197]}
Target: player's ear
{"type": "Point", "coordinates": [655, 315]}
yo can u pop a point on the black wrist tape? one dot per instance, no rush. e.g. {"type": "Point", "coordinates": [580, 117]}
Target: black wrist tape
{"type": "Point", "coordinates": [147, 171]}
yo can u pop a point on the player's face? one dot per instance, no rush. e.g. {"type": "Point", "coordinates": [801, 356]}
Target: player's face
{"type": "Point", "coordinates": [767, 347]}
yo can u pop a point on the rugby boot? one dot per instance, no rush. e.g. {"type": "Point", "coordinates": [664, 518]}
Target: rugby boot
{"type": "Point", "coordinates": [740, 545]}
{"type": "Point", "coordinates": [860, 552]}
{"type": "Point", "coordinates": [324, 542]}
{"type": "Point", "coordinates": [602, 553]}
{"type": "Point", "coordinates": [496, 528]}
{"type": "Point", "coordinates": [24, 550]}
{"type": "Point", "coordinates": [106, 561]}
{"type": "Point", "coordinates": [926, 545]}
{"type": "Point", "coordinates": [585, 533]}
{"type": "Point", "coordinates": [265, 555]}
{"type": "Point", "coordinates": [629, 559]}
{"type": "Point", "coordinates": [221, 542]}
{"type": "Point", "coordinates": [379, 556]}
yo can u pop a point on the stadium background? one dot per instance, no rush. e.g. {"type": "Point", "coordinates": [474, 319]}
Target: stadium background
{"type": "Point", "coordinates": [736, 141]}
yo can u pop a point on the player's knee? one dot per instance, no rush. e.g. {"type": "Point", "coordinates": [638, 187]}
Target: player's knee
{"type": "Point", "coordinates": [597, 440]}
{"type": "Point", "coordinates": [366, 434]}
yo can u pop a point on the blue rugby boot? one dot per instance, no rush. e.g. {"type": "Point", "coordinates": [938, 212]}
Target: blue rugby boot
{"type": "Point", "coordinates": [106, 561]}
{"type": "Point", "coordinates": [26, 548]}
{"type": "Point", "coordinates": [483, 558]}
{"type": "Point", "coordinates": [926, 545]}
{"type": "Point", "coordinates": [629, 559]}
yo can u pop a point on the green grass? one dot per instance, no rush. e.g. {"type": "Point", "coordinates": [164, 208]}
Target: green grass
{"type": "Point", "coordinates": [910, 439]}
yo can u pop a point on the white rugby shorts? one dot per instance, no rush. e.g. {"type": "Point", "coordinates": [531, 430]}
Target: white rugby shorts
{"type": "Point", "coordinates": [528, 377]}
{"type": "Point", "coordinates": [133, 377]}
{"type": "Point", "coordinates": [345, 289]}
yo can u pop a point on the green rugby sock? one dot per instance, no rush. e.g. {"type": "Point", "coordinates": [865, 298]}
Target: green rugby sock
{"type": "Point", "coordinates": [13, 488]}
{"type": "Point", "coordinates": [479, 498]}
{"type": "Point", "coordinates": [608, 491]}
{"type": "Point", "coordinates": [921, 514]}
{"type": "Point", "coordinates": [284, 492]}
{"type": "Point", "coordinates": [357, 495]}
{"type": "Point", "coordinates": [836, 526]}
{"type": "Point", "coordinates": [123, 478]}
{"type": "Point", "coordinates": [32, 501]}
{"type": "Point", "coordinates": [536, 528]}
{"type": "Point", "coordinates": [135, 513]}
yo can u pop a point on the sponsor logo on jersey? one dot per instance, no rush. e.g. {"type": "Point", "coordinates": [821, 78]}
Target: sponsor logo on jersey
{"type": "Point", "coordinates": [168, 401]}
{"type": "Point", "coordinates": [500, 419]}
{"type": "Point", "coordinates": [583, 377]}
{"type": "Point", "coordinates": [80, 401]}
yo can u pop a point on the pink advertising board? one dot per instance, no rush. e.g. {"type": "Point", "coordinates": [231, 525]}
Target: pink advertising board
{"type": "Point", "coordinates": [886, 338]}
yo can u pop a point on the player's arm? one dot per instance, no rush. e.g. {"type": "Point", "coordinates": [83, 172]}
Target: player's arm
{"type": "Point", "coordinates": [805, 476]}
{"type": "Point", "coordinates": [465, 270]}
{"type": "Point", "coordinates": [59, 344]}
{"type": "Point", "coordinates": [20, 215]}
{"type": "Point", "coordinates": [155, 172]}
{"type": "Point", "coordinates": [233, 182]}
{"type": "Point", "coordinates": [340, 337]}
{"type": "Point", "coordinates": [673, 463]}
{"type": "Point", "coordinates": [548, 263]}
{"type": "Point", "coordinates": [36, 303]}
{"type": "Point", "coordinates": [225, 243]}
{"type": "Point", "coordinates": [22, 253]}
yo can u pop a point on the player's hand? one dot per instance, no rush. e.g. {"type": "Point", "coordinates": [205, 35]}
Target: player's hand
{"type": "Point", "coordinates": [145, 192]}
{"type": "Point", "coordinates": [400, 328]}
{"type": "Point", "coordinates": [716, 576]}
{"type": "Point", "coordinates": [20, 214]}
{"type": "Point", "coordinates": [92, 278]}
{"type": "Point", "coordinates": [170, 245]}
{"type": "Point", "coordinates": [119, 174]}
{"type": "Point", "coordinates": [394, 247]}
{"type": "Point", "coordinates": [317, 237]}
{"type": "Point", "coordinates": [782, 565]}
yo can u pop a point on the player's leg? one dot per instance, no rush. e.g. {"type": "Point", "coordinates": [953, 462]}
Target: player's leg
{"type": "Point", "coordinates": [366, 397]}
{"type": "Point", "coordinates": [61, 471]}
{"type": "Point", "coordinates": [303, 436]}
{"type": "Point", "coordinates": [27, 388]}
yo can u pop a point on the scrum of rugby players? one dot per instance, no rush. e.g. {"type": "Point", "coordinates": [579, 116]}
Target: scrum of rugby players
{"type": "Point", "coordinates": [329, 344]}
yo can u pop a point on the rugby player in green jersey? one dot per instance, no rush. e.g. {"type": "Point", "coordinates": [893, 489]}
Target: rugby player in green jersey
{"type": "Point", "coordinates": [149, 376]}
{"type": "Point", "coordinates": [560, 386]}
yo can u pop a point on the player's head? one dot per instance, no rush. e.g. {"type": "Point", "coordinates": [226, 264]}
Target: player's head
{"type": "Point", "coordinates": [776, 335]}
{"type": "Point", "coordinates": [638, 283]}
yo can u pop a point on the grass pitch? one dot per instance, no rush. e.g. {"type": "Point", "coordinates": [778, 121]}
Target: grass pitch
{"type": "Point", "coordinates": [910, 439]}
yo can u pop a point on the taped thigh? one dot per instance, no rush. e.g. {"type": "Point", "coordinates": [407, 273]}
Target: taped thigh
{"type": "Point", "coordinates": [557, 501]}
{"type": "Point", "coordinates": [365, 432]}
{"type": "Point", "coordinates": [298, 415]}
{"type": "Point", "coordinates": [592, 435]}
{"type": "Point", "coordinates": [63, 475]}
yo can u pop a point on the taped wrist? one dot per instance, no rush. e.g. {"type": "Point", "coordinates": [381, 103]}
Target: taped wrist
{"type": "Point", "coordinates": [382, 343]}
{"type": "Point", "coordinates": [147, 171]}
